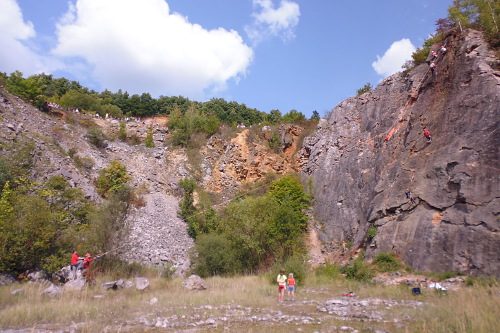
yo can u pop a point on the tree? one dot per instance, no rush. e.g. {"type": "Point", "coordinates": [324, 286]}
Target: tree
{"type": "Point", "coordinates": [274, 116]}
{"type": "Point", "coordinates": [187, 205]}
{"type": "Point", "coordinates": [293, 116]}
{"type": "Point", "coordinates": [25, 88]}
{"type": "Point", "coordinates": [479, 14]}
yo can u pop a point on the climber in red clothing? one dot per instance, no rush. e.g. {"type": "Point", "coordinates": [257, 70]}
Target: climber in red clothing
{"type": "Point", "coordinates": [427, 135]}
{"type": "Point", "coordinates": [86, 265]}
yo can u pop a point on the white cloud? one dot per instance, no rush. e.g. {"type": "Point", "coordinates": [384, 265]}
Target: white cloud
{"type": "Point", "coordinates": [139, 46]}
{"type": "Point", "coordinates": [273, 22]}
{"type": "Point", "coordinates": [14, 34]}
{"type": "Point", "coordinates": [392, 60]}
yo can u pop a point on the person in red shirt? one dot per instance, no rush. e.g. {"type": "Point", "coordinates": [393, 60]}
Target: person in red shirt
{"type": "Point", "coordinates": [291, 287]}
{"type": "Point", "coordinates": [75, 263]}
{"type": "Point", "coordinates": [86, 265]}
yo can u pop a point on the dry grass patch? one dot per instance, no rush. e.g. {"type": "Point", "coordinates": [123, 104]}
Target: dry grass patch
{"type": "Point", "coordinates": [471, 309]}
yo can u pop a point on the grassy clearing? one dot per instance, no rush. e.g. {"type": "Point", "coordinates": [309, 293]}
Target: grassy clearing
{"type": "Point", "coordinates": [471, 309]}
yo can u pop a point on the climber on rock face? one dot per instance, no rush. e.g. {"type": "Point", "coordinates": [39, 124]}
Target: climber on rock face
{"type": "Point", "coordinates": [443, 50]}
{"type": "Point", "coordinates": [434, 55]}
{"type": "Point", "coordinates": [433, 67]}
{"type": "Point", "coordinates": [427, 135]}
{"type": "Point", "coordinates": [408, 195]}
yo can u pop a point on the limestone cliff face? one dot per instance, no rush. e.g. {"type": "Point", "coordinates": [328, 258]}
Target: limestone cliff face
{"type": "Point", "coordinates": [360, 178]}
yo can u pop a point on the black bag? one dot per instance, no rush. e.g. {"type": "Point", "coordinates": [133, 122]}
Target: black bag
{"type": "Point", "coordinates": [416, 291]}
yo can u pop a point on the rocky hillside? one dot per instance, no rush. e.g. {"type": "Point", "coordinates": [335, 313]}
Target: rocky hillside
{"type": "Point", "coordinates": [372, 148]}
{"type": "Point", "coordinates": [157, 236]}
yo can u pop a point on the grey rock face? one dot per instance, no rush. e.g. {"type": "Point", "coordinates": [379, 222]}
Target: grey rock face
{"type": "Point", "coordinates": [360, 177]}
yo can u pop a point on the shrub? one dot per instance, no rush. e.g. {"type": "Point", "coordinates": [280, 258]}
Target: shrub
{"type": "Point", "coordinates": [122, 132]}
{"type": "Point", "coordinates": [359, 270]}
{"type": "Point", "coordinates": [39, 225]}
{"type": "Point", "coordinates": [331, 271]}
{"type": "Point", "coordinates": [366, 88]}
{"type": "Point", "coordinates": [149, 137]}
{"type": "Point", "coordinates": [113, 265]}
{"type": "Point", "coordinates": [107, 223]}
{"type": "Point", "coordinates": [296, 264]}
{"type": "Point", "coordinates": [85, 162]}
{"type": "Point", "coordinates": [422, 53]}
{"type": "Point", "coordinates": [96, 137]}
{"type": "Point", "coordinates": [187, 206]}
{"type": "Point", "coordinates": [372, 231]}
{"type": "Point", "coordinates": [112, 179]}
{"type": "Point", "coordinates": [388, 262]}
{"type": "Point", "coordinates": [274, 143]}
{"type": "Point", "coordinates": [216, 256]}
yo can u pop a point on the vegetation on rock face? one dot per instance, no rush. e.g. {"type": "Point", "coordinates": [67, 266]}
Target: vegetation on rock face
{"type": "Point", "coordinates": [112, 178]}
{"type": "Point", "coordinates": [366, 88]}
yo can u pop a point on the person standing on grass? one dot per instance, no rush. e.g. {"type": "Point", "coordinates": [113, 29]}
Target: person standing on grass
{"type": "Point", "coordinates": [291, 287]}
{"type": "Point", "coordinates": [281, 279]}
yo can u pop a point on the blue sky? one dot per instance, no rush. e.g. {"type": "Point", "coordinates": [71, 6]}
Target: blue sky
{"type": "Point", "coordinates": [268, 54]}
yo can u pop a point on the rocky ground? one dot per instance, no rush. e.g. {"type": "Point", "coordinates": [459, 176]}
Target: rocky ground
{"type": "Point", "coordinates": [312, 311]}
{"type": "Point", "coordinates": [324, 309]}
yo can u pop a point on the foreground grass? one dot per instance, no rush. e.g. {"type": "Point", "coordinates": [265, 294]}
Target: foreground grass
{"type": "Point", "coordinates": [471, 309]}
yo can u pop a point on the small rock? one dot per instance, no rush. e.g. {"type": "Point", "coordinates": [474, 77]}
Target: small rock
{"type": "Point", "coordinates": [18, 291]}
{"type": "Point", "coordinates": [194, 282]}
{"type": "Point", "coordinates": [52, 291]}
{"type": "Point", "coordinates": [141, 283]}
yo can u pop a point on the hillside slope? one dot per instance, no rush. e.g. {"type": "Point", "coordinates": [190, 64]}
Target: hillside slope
{"type": "Point", "coordinates": [157, 235]}
{"type": "Point", "coordinates": [372, 148]}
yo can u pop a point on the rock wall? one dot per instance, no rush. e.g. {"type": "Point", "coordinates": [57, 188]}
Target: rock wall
{"type": "Point", "coordinates": [371, 149]}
